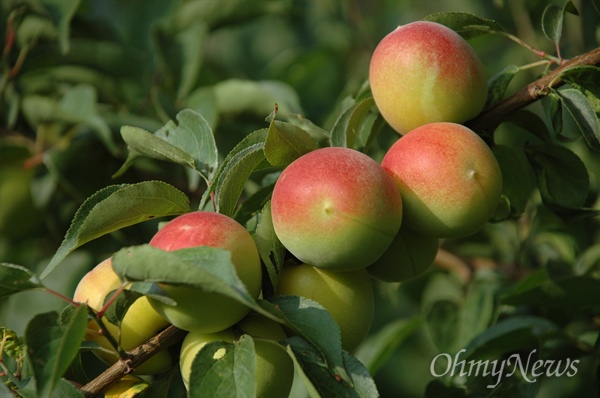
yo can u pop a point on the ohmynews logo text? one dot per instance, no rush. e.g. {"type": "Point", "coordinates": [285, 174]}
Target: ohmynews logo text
{"type": "Point", "coordinates": [530, 369]}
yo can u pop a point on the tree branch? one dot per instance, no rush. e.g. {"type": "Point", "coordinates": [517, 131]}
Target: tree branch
{"type": "Point", "coordinates": [136, 357]}
{"type": "Point", "coordinates": [489, 119]}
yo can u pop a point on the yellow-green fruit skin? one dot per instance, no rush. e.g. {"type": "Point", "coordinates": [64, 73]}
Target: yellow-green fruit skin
{"type": "Point", "coordinates": [347, 296]}
{"type": "Point", "coordinates": [274, 369]}
{"type": "Point", "coordinates": [409, 255]}
{"type": "Point", "coordinates": [140, 323]}
{"type": "Point", "coordinates": [424, 72]}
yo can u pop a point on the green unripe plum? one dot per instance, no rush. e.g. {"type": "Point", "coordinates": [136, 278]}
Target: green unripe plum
{"type": "Point", "coordinates": [424, 72]}
{"type": "Point", "coordinates": [274, 369]}
{"type": "Point", "coordinates": [347, 296]}
{"type": "Point", "coordinates": [448, 177]}
{"type": "Point", "coordinates": [196, 309]}
{"type": "Point", "coordinates": [140, 323]}
{"type": "Point", "coordinates": [409, 255]}
{"type": "Point", "coordinates": [336, 208]}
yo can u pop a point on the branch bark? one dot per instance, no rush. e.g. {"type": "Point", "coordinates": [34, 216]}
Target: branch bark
{"type": "Point", "coordinates": [489, 119]}
{"type": "Point", "coordinates": [136, 357]}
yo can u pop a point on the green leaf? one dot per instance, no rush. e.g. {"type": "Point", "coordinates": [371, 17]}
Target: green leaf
{"type": "Point", "coordinates": [253, 204]}
{"type": "Point", "coordinates": [236, 96]}
{"type": "Point", "coordinates": [116, 207]}
{"type": "Point", "coordinates": [465, 24]}
{"type": "Point", "coordinates": [553, 108]}
{"type": "Point", "coordinates": [245, 157]}
{"type": "Point", "coordinates": [513, 334]}
{"type": "Point", "coordinates": [498, 84]}
{"type": "Point", "coordinates": [530, 122]}
{"type": "Point", "coordinates": [348, 124]}
{"type": "Point", "coordinates": [194, 136]}
{"type": "Point", "coordinates": [271, 251]}
{"type": "Point", "coordinates": [15, 279]}
{"type": "Point", "coordinates": [190, 42]}
{"type": "Point", "coordinates": [51, 347]}
{"type": "Point", "coordinates": [78, 106]}
{"type": "Point", "coordinates": [441, 307]}
{"type": "Point", "coordinates": [204, 267]}
{"type": "Point", "coordinates": [143, 143]}
{"type": "Point", "coordinates": [561, 175]}
{"type": "Point", "coordinates": [318, 379]}
{"type": "Point", "coordinates": [65, 389]}
{"type": "Point", "coordinates": [552, 20]}
{"type": "Point", "coordinates": [380, 347]}
{"type": "Point", "coordinates": [190, 144]}
{"type": "Point", "coordinates": [517, 177]}
{"type": "Point", "coordinates": [585, 78]}
{"type": "Point", "coordinates": [62, 12]}
{"type": "Point", "coordinates": [580, 109]}
{"type": "Point", "coordinates": [573, 293]}
{"type": "Point", "coordinates": [310, 320]}
{"type": "Point", "coordinates": [232, 177]}
{"type": "Point", "coordinates": [231, 374]}
{"type": "Point", "coordinates": [286, 142]}
{"type": "Point", "coordinates": [118, 308]}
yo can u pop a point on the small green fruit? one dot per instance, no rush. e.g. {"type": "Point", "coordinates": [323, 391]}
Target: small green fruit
{"type": "Point", "coordinates": [347, 296]}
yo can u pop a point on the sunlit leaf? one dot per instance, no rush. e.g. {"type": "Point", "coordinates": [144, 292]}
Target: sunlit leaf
{"type": "Point", "coordinates": [286, 142]}
{"type": "Point", "coordinates": [52, 347]}
{"type": "Point", "coordinates": [190, 143]}
{"type": "Point", "coordinates": [116, 207]}
{"type": "Point", "coordinates": [235, 96]}
{"type": "Point", "coordinates": [194, 136]}
{"type": "Point", "coordinates": [347, 125]}
{"type": "Point", "coordinates": [465, 24]}
{"type": "Point", "coordinates": [233, 173]}
{"type": "Point", "coordinates": [15, 279]}
{"type": "Point", "coordinates": [203, 267]}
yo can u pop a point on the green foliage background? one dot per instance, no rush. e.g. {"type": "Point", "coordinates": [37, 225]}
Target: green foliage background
{"type": "Point", "coordinates": [77, 71]}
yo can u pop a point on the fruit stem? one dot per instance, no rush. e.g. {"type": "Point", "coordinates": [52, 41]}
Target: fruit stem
{"type": "Point", "coordinates": [111, 299]}
{"type": "Point", "coordinates": [539, 53]}
{"type": "Point", "coordinates": [62, 296]}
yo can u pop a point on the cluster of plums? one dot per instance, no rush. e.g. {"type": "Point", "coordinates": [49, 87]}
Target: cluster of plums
{"type": "Point", "coordinates": [343, 217]}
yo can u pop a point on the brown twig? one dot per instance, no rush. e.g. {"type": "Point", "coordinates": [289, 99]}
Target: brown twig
{"type": "Point", "coordinates": [136, 357]}
{"type": "Point", "coordinates": [490, 118]}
